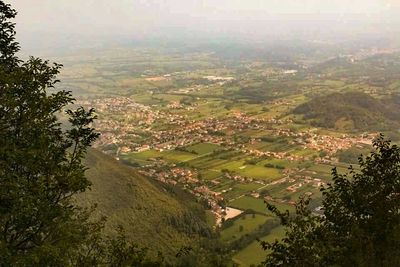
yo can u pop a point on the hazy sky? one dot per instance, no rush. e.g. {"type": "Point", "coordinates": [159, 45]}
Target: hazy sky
{"type": "Point", "coordinates": [56, 19]}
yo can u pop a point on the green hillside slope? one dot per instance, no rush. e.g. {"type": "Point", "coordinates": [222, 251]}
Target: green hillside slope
{"type": "Point", "coordinates": [163, 220]}
{"type": "Point", "coordinates": [351, 111]}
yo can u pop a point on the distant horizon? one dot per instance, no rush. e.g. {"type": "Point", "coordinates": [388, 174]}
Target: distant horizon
{"type": "Point", "coordinates": [74, 23]}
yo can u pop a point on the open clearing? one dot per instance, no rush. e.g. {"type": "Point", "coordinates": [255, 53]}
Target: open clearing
{"type": "Point", "coordinates": [253, 253]}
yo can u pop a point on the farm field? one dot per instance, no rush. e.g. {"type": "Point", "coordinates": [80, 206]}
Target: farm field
{"type": "Point", "coordinates": [245, 225]}
{"type": "Point", "coordinates": [258, 205]}
{"type": "Point", "coordinates": [253, 253]}
{"type": "Point", "coordinates": [203, 148]}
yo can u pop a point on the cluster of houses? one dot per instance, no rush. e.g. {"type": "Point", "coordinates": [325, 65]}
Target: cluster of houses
{"type": "Point", "coordinates": [207, 130]}
{"type": "Point", "coordinates": [124, 123]}
{"type": "Point", "coordinates": [277, 155]}
{"type": "Point", "coordinates": [188, 179]}
{"type": "Point", "coordinates": [132, 127]}
{"type": "Point", "coordinates": [327, 143]}
{"type": "Point", "coordinates": [173, 175]}
{"type": "Point", "coordinates": [331, 145]}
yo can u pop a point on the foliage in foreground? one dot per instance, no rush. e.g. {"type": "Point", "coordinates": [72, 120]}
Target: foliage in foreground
{"type": "Point", "coordinates": [41, 170]}
{"type": "Point", "coordinates": [361, 221]}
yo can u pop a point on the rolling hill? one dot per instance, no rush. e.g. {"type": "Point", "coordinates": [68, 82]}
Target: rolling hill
{"type": "Point", "coordinates": [351, 111]}
{"type": "Point", "coordinates": [162, 219]}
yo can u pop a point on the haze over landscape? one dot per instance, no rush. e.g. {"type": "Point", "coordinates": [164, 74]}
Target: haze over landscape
{"type": "Point", "coordinates": [78, 23]}
{"type": "Point", "coordinates": [189, 133]}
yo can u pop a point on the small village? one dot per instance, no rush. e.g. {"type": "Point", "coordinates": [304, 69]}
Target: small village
{"type": "Point", "coordinates": [130, 127]}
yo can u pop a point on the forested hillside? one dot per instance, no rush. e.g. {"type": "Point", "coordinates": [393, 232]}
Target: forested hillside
{"type": "Point", "coordinates": [150, 215]}
{"type": "Point", "coordinates": [351, 111]}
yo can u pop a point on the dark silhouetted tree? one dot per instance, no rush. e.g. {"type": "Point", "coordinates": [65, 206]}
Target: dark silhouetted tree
{"type": "Point", "coordinates": [361, 221]}
{"type": "Point", "coordinates": [40, 164]}
{"type": "Point", "coordinates": [41, 170]}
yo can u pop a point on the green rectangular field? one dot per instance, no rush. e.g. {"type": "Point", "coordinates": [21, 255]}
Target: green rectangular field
{"type": "Point", "coordinates": [178, 156]}
{"type": "Point", "coordinates": [253, 254]}
{"type": "Point", "coordinates": [260, 172]}
{"type": "Point", "coordinates": [171, 155]}
{"type": "Point", "coordinates": [327, 169]}
{"type": "Point", "coordinates": [258, 205]}
{"type": "Point", "coordinates": [210, 174]}
{"type": "Point", "coordinates": [247, 202]}
{"type": "Point", "coordinates": [241, 189]}
{"type": "Point", "coordinates": [203, 148]}
{"type": "Point", "coordinates": [145, 155]}
{"type": "Point", "coordinates": [242, 226]}
{"type": "Point", "coordinates": [230, 165]}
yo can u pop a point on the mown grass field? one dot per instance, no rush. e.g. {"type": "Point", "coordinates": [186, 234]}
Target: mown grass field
{"type": "Point", "coordinates": [203, 148]}
{"type": "Point", "coordinates": [254, 254]}
{"type": "Point", "coordinates": [240, 189]}
{"type": "Point", "coordinates": [171, 155]}
{"type": "Point", "coordinates": [210, 174]}
{"type": "Point", "coordinates": [242, 226]}
{"type": "Point", "coordinates": [259, 172]}
{"type": "Point", "coordinates": [258, 205]}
